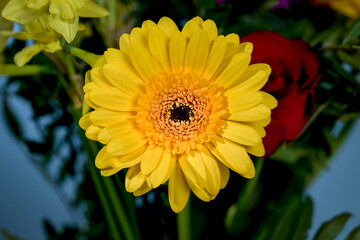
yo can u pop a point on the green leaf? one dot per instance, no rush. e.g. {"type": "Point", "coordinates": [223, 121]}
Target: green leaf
{"type": "Point", "coordinates": [353, 61]}
{"type": "Point", "coordinates": [353, 32]}
{"type": "Point", "coordinates": [354, 234]}
{"type": "Point", "coordinates": [329, 230]}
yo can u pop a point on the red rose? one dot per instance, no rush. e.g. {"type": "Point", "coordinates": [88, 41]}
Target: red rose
{"type": "Point", "coordinates": [293, 78]}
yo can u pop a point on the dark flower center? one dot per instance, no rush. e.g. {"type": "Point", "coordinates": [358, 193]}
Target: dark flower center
{"type": "Point", "coordinates": [180, 113]}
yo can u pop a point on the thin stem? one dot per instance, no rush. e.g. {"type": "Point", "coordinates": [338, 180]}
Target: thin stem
{"type": "Point", "coordinates": [120, 213]}
{"type": "Point", "coordinates": [183, 222]}
{"type": "Point", "coordinates": [110, 218]}
{"type": "Point", "coordinates": [12, 70]}
{"type": "Point", "coordinates": [89, 58]}
{"type": "Point", "coordinates": [250, 185]}
{"type": "Point", "coordinates": [129, 202]}
{"type": "Point", "coordinates": [91, 150]}
{"type": "Point", "coordinates": [340, 47]}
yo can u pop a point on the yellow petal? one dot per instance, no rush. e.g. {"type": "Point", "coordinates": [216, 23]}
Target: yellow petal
{"type": "Point", "coordinates": [193, 168]}
{"type": "Point", "coordinates": [142, 190]}
{"type": "Point", "coordinates": [84, 121]}
{"type": "Point", "coordinates": [108, 172]}
{"type": "Point", "coordinates": [159, 47]}
{"type": "Point", "coordinates": [216, 56]}
{"type": "Point", "coordinates": [36, 4]}
{"type": "Point", "coordinates": [134, 179]}
{"type": "Point", "coordinates": [257, 150]}
{"type": "Point", "coordinates": [92, 132]}
{"type": "Point", "coordinates": [150, 159]}
{"type": "Point", "coordinates": [240, 101]}
{"type": "Point", "coordinates": [224, 174]}
{"type": "Point", "coordinates": [179, 190]}
{"type": "Point", "coordinates": [112, 99]}
{"type": "Point", "coordinates": [190, 28]}
{"type": "Point", "coordinates": [92, 10]}
{"type": "Point", "coordinates": [172, 163]}
{"type": "Point", "coordinates": [158, 175]}
{"type": "Point", "coordinates": [168, 26]}
{"type": "Point", "coordinates": [177, 51]}
{"type": "Point", "coordinates": [126, 143]}
{"type": "Point", "coordinates": [256, 113]}
{"type": "Point", "coordinates": [212, 172]}
{"type": "Point", "coordinates": [210, 27]}
{"type": "Point", "coordinates": [103, 159]}
{"type": "Point", "coordinates": [200, 192]}
{"type": "Point", "coordinates": [123, 63]}
{"type": "Point", "coordinates": [233, 155]}
{"type": "Point", "coordinates": [103, 117]}
{"type": "Point", "coordinates": [246, 47]}
{"type": "Point", "coordinates": [140, 36]}
{"type": "Point", "coordinates": [67, 28]}
{"type": "Point", "coordinates": [17, 11]}
{"type": "Point", "coordinates": [240, 133]}
{"type": "Point", "coordinates": [124, 43]}
{"type": "Point", "coordinates": [232, 44]}
{"type": "Point", "coordinates": [143, 62]}
{"type": "Point", "coordinates": [129, 160]}
{"type": "Point", "coordinates": [126, 81]}
{"type": "Point", "coordinates": [197, 52]}
{"type": "Point", "coordinates": [98, 77]}
{"type": "Point", "coordinates": [64, 9]}
{"type": "Point", "coordinates": [233, 70]}
{"type": "Point", "coordinates": [268, 100]}
{"type": "Point", "coordinates": [26, 54]}
{"type": "Point", "coordinates": [147, 25]}
{"type": "Point", "coordinates": [249, 81]}
{"type": "Point", "coordinates": [114, 129]}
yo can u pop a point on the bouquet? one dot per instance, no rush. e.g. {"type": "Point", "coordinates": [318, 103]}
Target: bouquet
{"type": "Point", "coordinates": [188, 119]}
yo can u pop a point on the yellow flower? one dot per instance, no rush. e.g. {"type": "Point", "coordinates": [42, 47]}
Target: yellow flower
{"type": "Point", "coordinates": [4, 25]}
{"type": "Point", "coordinates": [63, 15]}
{"type": "Point", "coordinates": [178, 106]}
{"type": "Point", "coordinates": [350, 8]}
{"type": "Point", "coordinates": [44, 38]}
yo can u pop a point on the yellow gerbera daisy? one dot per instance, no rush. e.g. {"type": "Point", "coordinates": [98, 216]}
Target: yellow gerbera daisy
{"type": "Point", "coordinates": [178, 106]}
{"type": "Point", "coordinates": [63, 15]}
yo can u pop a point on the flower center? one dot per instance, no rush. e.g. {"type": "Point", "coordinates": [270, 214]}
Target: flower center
{"type": "Point", "coordinates": [176, 111]}
{"type": "Point", "coordinates": [180, 113]}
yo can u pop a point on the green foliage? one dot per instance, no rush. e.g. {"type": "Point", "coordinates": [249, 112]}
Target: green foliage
{"type": "Point", "coordinates": [329, 230]}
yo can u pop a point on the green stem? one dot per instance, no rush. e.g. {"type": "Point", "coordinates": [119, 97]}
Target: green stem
{"type": "Point", "coordinates": [250, 185]}
{"type": "Point", "coordinates": [129, 202]}
{"type": "Point", "coordinates": [120, 213]}
{"type": "Point", "coordinates": [91, 150]}
{"type": "Point", "coordinates": [340, 47]}
{"type": "Point", "coordinates": [183, 222]}
{"type": "Point", "coordinates": [12, 70]}
{"type": "Point", "coordinates": [110, 218]}
{"type": "Point", "coordinates": [89, 58]}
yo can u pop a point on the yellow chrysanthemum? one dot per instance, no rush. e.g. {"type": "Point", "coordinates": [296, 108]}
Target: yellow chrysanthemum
{"type": "Point", "coordinates": [178, 106]}
{"type": "Point", "coordinates": [44, 37]}
{"type": "Point", "coordinates": [63, 15]}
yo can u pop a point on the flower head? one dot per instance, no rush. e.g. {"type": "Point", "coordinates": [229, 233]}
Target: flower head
{"type": "Point", "coordinates": [63, 15]}
{"type": "Point", "coordinates": [292, 81]}
{"type": "Point", "coordinates": [44, 37]}
{"type": "Point", "coordinates": [178, 106]}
